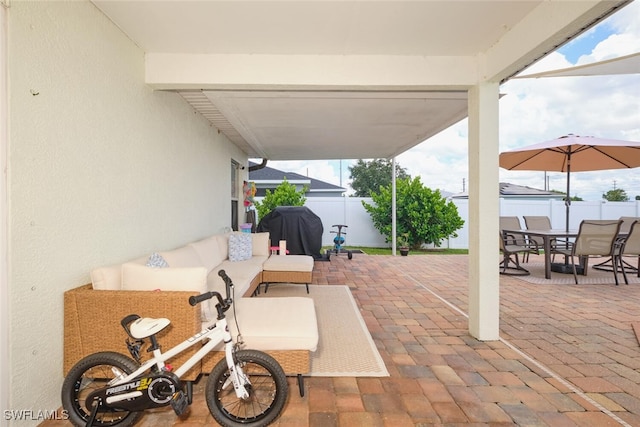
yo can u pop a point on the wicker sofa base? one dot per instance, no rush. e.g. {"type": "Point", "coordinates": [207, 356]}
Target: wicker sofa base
{"type": "Point", "coordinates": [286, 276]}
{"type": "Point", "coordinates": [92, 324]}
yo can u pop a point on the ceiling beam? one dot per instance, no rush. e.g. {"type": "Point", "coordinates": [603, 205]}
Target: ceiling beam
{"type": "Point", "coordinates": [300, 72]}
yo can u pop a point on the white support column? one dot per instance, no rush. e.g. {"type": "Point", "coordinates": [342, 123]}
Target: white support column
{"type": "Point", "coordinates": [484, 284]}
{"type": "Point", "coordinates": [393, 207]}
{"type": "Point", "coordinates": [5, 377]}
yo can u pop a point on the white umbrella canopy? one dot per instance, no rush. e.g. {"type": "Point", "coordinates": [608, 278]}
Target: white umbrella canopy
{"type": "Point", "coordinates": [573, 153]}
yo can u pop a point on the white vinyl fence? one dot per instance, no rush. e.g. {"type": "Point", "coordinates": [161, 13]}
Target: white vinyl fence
{"type": "Point", "coordinates": [361, 232]}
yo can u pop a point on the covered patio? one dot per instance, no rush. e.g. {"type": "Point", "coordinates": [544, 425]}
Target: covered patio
{"type": "Point", "coordinates": [130, 125]}
{"type": "Point", "coordinates": [567, 354]}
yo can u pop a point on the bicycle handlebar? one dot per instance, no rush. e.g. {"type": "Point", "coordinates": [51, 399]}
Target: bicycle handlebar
{"type": "Point", "coordinates": [197, 299]}
{"type": "Point", "coordinates": [223, 304]}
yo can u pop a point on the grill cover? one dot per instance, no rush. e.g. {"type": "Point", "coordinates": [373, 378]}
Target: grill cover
{"type": "Point", "coordinates": [298, 225]}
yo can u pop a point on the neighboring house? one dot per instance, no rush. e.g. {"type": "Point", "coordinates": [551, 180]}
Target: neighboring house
{"type": "Point", "coordinates": [270, 178]}
{"type": "Point", "coordinates": [513, 191]}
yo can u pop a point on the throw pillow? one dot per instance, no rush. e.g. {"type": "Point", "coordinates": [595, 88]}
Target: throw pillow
{"type": "Point", "coordinates": [240, 247]}
{"type": "Point", "coordinates": [156, 261]}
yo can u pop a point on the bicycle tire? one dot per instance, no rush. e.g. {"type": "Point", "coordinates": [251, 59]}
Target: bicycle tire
{"type": "Point", "coordinates": [89, 374]}
{"type": "Point", "coordinates": [268, 391]}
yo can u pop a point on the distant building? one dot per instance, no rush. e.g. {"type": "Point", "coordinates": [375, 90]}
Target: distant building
{"type": "Point", "coordinates": [270, 178]}
{"type": "Point", "coordinates": [513, 191]}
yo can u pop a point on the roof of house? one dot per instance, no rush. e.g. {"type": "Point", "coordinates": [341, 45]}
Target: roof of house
{"type": "Point", "coordinates": [514, 190]}
{"type": "Point", "coordinates": [267, 174]}
{"type": "Point", "coordinates": [508, 189]}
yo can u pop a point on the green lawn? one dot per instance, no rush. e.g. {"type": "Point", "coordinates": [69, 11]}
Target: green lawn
{"type": "Point", "coordinates": [387, 251]}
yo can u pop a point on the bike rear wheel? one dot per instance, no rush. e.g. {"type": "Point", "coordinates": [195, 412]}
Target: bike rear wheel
{"type": "Point", "coordinates": [268, 390]}
{"type": "Point", "coordinates": [90, 374]}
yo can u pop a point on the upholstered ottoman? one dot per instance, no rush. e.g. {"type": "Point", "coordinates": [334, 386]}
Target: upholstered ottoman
{"type": "Point", "coordinates": [287, 269]}
{"type": "Point", "coordinates": [286, 328]}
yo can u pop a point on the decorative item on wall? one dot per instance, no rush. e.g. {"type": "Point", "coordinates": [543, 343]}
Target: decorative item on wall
{"type": "Point", "coordinates": [249, 192]}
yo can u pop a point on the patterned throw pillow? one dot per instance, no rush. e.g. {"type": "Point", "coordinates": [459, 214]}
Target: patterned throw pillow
{"type": "Point", "coordinates": [240, 247]}
{"type": "Point", "coordinates": [156, 261]}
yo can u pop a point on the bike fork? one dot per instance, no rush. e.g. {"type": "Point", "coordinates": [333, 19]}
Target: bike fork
{"type": "Point", "coordinates": [237, 376]}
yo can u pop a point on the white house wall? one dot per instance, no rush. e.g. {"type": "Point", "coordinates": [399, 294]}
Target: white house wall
{"type": "Point", "coordinates": [101, 169]}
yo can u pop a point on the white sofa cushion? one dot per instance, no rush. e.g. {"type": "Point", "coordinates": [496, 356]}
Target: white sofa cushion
{"type": "Point", "coordinates": [276, 323]}
{"type": "Point", "coordinates": [185, 256]}
{"type": "Point", "coordinates": [261, 243]}
{"type": "Point", "coordinates": [209, 252]}
{"type": "Point", "coordinates": [107, 278]}
{"type": "Point", "coordinates": [136, 277]}
{"type": "Point", "coordinates": [289, 263]}
{"type": "Point", "coordinates": [241, 274]}
{"type": "Point", "coordinates": [223, 244]}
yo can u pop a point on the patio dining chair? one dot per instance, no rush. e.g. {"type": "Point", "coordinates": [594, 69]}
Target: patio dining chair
{"type": "Point", "coordinates": [595, 238]}
{"type": "Point", "coordinates": [630, 247]}
{"type": "Point", "coordinates": [538, 223]}
{"type": "Point", "coordinates": [511, 246]}
{"type": "Point", "coordinates": [607, 265]}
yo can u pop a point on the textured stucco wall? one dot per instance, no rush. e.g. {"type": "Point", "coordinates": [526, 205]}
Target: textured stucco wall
{"type": "Point", "coordinates": [101, 169]}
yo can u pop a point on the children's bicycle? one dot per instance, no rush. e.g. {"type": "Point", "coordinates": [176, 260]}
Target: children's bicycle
{"type": "Point", "coordinates": [338, 241]}
{"type": "Point", "coordinates": [245, 388]}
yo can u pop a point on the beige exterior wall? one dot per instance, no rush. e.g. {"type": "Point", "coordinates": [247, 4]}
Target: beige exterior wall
{"type": "Point", "coordinates": [101, 169]}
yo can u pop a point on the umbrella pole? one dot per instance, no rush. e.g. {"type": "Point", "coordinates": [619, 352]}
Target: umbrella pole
{"type": "Point", "coordinates": [567, 201]}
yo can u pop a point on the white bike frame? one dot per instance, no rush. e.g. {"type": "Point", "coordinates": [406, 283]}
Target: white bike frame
{"type": "Point", "coordinates": [216, 334]}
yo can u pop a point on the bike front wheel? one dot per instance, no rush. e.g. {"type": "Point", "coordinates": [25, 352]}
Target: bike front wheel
{"type": "Point", "coordinates": [267, 387]}
{"type": "Point", "coordinates": [88, 375]}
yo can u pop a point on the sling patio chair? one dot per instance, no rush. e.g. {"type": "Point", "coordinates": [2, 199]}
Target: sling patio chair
{"type": "Point", "coordinates": [630, 247]}
{"type": "Point", "coordinates": [595, 238]}
{"type": "Point", "coordinates": [607, 265]}
{"type": "Point", "coordinates": [512, 245]}
{"type": "Point", "coordinates": [538, 223]}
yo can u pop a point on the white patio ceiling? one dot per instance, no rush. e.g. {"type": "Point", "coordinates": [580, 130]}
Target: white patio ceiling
{"type": "Point", "coordinates": [289, 80]}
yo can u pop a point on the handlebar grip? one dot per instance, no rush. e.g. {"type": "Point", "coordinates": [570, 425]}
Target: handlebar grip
{"type": "Point", "coordinates": [196, 299]}
{"type": "Point", "coordinates": [227, 280]}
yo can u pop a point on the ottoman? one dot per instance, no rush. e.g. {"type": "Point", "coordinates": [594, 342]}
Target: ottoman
{"type": "Point", "coordinates": [287, 269]}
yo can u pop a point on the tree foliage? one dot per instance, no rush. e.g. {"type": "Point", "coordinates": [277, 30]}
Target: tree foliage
{"type": "Point", "coordinates": [368, 177]}
{"type": "Point", "coordinates": [284, 195]}
{"type": "Point", "coordinates": [422, 213]}
{"type": "Point", "coordinates": [616, 195]}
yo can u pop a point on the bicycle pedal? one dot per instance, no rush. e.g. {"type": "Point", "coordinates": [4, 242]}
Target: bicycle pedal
{"type": "Point", "coordinates": [179, 402]}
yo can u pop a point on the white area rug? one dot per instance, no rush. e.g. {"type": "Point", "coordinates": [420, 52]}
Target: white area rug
{"type": "Point", "coordinates": [345, 347]}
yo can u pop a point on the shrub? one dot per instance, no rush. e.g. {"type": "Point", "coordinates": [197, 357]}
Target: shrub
{"type": "Point", "coordinates": [422, 213]}
{"type": "Point", "coordinates": [284, 195]}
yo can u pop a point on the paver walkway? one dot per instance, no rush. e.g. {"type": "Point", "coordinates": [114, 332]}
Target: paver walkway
{"type": "Point", "coordinates": [568, 355]}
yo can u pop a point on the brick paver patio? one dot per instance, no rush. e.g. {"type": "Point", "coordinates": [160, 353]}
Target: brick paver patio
{"type": "Point", "coordinates": [568, 355]}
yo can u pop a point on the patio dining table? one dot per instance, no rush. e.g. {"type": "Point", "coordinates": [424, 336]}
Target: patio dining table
{"type": "Point", "coordinates": [547, 237]}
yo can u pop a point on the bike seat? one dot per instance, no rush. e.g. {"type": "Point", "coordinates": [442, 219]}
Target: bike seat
{"type": "Point", "coordinates": [146, 326]}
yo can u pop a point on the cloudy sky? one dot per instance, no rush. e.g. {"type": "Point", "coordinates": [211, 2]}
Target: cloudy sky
{"type": "Point", "coordinates": [536, 110]}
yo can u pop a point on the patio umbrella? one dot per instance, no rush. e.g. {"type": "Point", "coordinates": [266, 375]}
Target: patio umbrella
{"type": "Point", "coordinates": [573, 153]}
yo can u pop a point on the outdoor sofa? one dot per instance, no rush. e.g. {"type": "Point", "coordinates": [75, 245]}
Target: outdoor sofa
{"type": "Point", "coordinates": [286, 328]}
